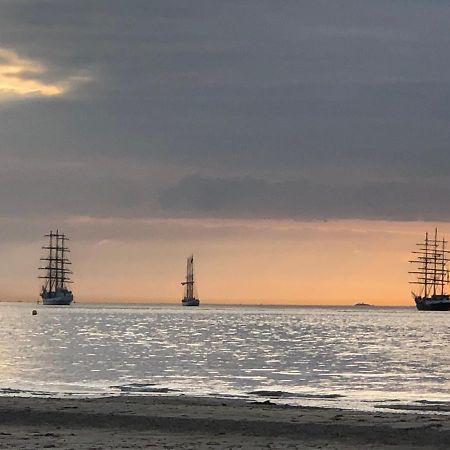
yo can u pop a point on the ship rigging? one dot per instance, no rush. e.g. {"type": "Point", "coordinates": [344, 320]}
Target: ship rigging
{"type": "Point", "coordinates": [55, 271]}
{"type": "Point", "coordinates": [432, 274]}
{"type": "Point", "coordinates": [189, 299]}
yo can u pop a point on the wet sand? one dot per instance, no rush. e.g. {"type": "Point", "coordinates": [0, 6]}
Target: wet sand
{"type": "Point", "coordinates": [198, 423]}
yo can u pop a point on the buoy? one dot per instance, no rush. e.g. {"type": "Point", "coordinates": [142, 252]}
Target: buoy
{"type": "Point", "coordinates": [34, 312]}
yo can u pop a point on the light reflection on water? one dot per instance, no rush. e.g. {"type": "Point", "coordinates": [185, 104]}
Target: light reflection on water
{"type": "Point", "coordinates": [309, 355]}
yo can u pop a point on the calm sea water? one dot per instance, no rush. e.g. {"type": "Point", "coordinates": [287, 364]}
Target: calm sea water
{"type": "Point", "coordinates": [356, 358]}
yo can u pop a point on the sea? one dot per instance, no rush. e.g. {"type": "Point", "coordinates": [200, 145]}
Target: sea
{"type": "Point", "coordinates": [360, 358]}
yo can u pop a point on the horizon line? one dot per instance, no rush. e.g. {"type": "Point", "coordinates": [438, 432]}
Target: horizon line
{"type": "Point", "coordinates": [223, 303]}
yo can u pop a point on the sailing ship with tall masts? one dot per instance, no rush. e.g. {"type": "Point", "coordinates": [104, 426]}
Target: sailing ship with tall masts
{"type": "Point", "coordinates": [56, 273]}
{"type": "Point", "coordinates": [432, 274]}
{"type": "Point", "coordinates": [189, 299]}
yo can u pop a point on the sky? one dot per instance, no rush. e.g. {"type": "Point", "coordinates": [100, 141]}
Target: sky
{"type": "Point", "coordinates": [298, 148]}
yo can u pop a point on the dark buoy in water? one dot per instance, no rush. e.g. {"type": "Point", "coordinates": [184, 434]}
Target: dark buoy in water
{"type": "Point", "coordinates": [34, 312]}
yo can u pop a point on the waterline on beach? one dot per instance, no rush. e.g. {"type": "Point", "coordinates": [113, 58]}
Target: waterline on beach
{"type": "Point", "coordinates": [330, 357]}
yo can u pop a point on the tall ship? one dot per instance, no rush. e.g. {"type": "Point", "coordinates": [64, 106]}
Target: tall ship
{"type": "Point", "coordinates": [189, 299]}
{"type": "Point", "coordinates": [431, 258]}
{"type": "Point", "coordinates": [55, 271]}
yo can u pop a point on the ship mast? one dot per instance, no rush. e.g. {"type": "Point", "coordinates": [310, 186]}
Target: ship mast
{"type": "Point", "coordinates": [56, 274]}
{"type": "Point", "coordinates": [426, 263]}
{"type": "Point", "coordinates": [189, 283]}
{"type": "Point", "coordinates": [432, 272]}
{"type": "Point", "coordinates": [64, 273]}
{"type": "Point", "coordinates": [435, 261]}
{"type": "Point", "coordinates": [444, 271]}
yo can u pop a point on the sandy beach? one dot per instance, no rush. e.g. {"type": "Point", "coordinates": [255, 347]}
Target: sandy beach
{"type": "Point", "coordinates": [193, 423]}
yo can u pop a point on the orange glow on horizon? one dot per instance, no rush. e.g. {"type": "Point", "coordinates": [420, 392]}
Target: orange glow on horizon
{"type": "Point", "coordinates": [237, 262]}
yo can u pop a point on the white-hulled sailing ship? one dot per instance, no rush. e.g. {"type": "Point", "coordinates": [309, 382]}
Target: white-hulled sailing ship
{"type": "Point", "coordinates": [189, 298]}
{"type": "Point", "coordinates": [432, 274]}
{"type": "Point", "coordinates": [56, 274]}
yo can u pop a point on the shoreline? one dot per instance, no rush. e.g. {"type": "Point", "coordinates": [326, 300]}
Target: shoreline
{"type": "Point", "coordinates": [193, 422]}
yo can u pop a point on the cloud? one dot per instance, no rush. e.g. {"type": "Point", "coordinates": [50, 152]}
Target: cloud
{"type": "Point", "coordinates": [21, 77]}
{"type": "Point", "coordinates": [293, 109]}
{"type": "Point", "coordinates": [306, 200]}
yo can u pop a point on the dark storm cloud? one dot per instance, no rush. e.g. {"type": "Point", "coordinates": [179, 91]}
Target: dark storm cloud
{"type": "Point", "coordinates": [300, 95]}
{"type": "Point", "coordinates": [307, 200]}
{"type": "Point", "coordinates": [70, 193]}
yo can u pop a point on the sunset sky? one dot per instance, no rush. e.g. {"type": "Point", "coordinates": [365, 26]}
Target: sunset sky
{"type": "Point", "coordinates": [298, 148]}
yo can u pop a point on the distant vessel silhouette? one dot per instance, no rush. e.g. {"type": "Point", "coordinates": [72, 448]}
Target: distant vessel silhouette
{"type": "Point", "coordinates": [189, 298]}
{"type": "Point", "coordinates": [362, 304]}
{"type": "Point", "coordinates": [432, 274]}
{"type": "Point", "coordinates": [56, 274]}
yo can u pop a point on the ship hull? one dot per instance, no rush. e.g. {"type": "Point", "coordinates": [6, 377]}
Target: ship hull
{"type": "Point", "coordinates": [62, 299]}
{"type": "Point", "coordinates": [57, 301]}
{"type": "Point", "coordinates": [439, 303]}
{"type": "Point", "coordinates": [190, 302]}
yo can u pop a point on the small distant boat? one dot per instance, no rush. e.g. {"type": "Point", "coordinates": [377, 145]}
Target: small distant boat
{"type": "Point", "coordinates": [432, 274]}
{"type": "Point", "coordinates": [189, 298]}
{"type": "Point", "coordinates": [362, 304]}
{"type": "Point", "coordinates": [56, 274]}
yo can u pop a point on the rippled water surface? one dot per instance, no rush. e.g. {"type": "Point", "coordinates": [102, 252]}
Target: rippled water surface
{"type": "Point", "coordinates": [321, 356]}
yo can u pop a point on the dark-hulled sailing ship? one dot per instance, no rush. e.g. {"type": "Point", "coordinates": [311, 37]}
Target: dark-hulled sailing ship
{"type": "Point", "coordinates": [189, 299]}
{"type": "Point", "coordinates": [56, 273]}
{"type": "Point", "coordinates": [432, 274]}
